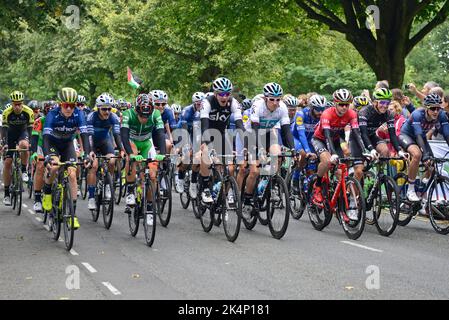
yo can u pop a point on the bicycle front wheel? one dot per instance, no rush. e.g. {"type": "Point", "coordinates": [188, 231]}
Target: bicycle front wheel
{"type": "Point", "coordinates": [232, 212]}
{"type": "Point", "coordinates": [68, 216]}
{"type": "Point", "coordinates": [164, 199]}
{"type": "Point", "coordinates": [149, 221]}
{"type": "Point", "coordinates": [406, 208]}
{"type": "Point", "coordinates": [297, 199]}
{"type": "Point", "coordinates": [438, 205]}
{"type": "Point", "coordinates": [319, 217]}
{"type": "Point", "coordinates": [278, 207]}
{"type": "Point", "coordinates": [108, 206]}
{"type": "Point", "coordinates": [353, 224]}
{"type": "Point", "coordinates": [387, 206]}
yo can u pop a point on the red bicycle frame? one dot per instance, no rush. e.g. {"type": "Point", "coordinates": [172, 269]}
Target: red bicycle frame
{"type": "Point", "coordinates": [341, 185]}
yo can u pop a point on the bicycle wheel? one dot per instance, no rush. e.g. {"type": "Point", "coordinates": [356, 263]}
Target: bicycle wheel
{"type": "Point", "coordinates": [55, 214]}
{"type": "Point", "coordinates": [108, 205]}
{"type": "Point", "coordinates": [149, 221]}
{"type": "Point", "coordinates": [118, 182]}
{"type": "Point", "coordinates": [438, 205]}
{"type": "Point", "coordinates": [319, 217]}
{"type": "Point", "coordinates": [134, 218]}
{"type": "Point", "coordinates": [30, 184]}
{"type": "Point", "coordinates": [406, 209]}
{"type": "Point", "coordinates": [83, 183]}
{"type": "Point", "coordinates": [164, 199]}
{"type": "Point", "coordinates": [249, 215]}
{"type": "Point", "coordinates": [278, 207]}
{"type": "Point", "coordinates": [206, 215]}
{"type": "Point", "coordinates": [369, 179]}
{"type": "Point", "coordinates": [98, 200]}
{"type": "Point", "coordinates": [231, 213]}
{"type": "Point", "coordinates": [356, 201]}
{"type": "Point", "coordinates": [387, 206]}
{"type": "Point", "coordinates": [68, 215]}
{"type": "Point", "coordinates": [297, 199]}
{"type": "Point", "coordinates": [18, 193]}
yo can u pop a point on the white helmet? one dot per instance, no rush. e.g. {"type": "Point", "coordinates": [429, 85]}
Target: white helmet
{"type": "Point", "coordinates": [209, 94]}
{"type": "Point", "coordinates": [159, 96]}
{"type": "Point", "coordinates": [198, 96]}
{"type": "Point", "coordinates": [318, 102]}
{"type": "Point", "coordinates": [104, 99]}
{"type": "Point", "coordinates": [222, 85]}
{"type": "Point", "coordinates": [291, 101]}
{"type": "Point", "coordinates": [176, 108]}
{"type": "Point", "coordinates": [272, 89]}
{"type": "Point", "coordinates": [342, 96]}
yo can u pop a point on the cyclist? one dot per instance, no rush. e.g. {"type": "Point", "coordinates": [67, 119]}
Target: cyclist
{"type": "Point", "coordinates": [361, 102]}
{"type": "Point", "coordinates": [246, 107]}
{"type": "Point", "coordinates": [266, 114]}
{"type": "Point", "coordinates": [371, 117]}
{"type": "Point", "coordinates": [99, 125]}
{"type": "Point", "coordinates": [38, 153]}
{"type": "Point", "coordinates": [17, 123]}
{"type": "Point", "coordinates": [177, 109]}
{"type": "Point", "coordinates": [413, 136]}
{"type": "Point", "coordinates": [159, 99]}
{"type": "Point", "coordinates": [61, 125]}
{"type": "Point", "coordinates": [190, 122]}
{"type": "Point", "coordinates": [326, 142]}
{"type": "Point", "coordinates": [136, 133]}
{"type": "Point", "coordinates": [81, 104]}
{"type": "Point", "coordinates": [34, 105]}
{"type": "Point", "coordinates": [215, 115]}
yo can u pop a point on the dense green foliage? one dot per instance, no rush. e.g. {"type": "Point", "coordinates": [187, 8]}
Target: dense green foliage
{"type": "Point", "coordinates": [181, 46]}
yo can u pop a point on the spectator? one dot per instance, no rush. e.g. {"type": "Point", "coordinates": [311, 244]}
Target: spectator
{"type": "Point", "coordinates": [302, 98]}
{"type": "Point", "coordinates": [437, 90]}
{"type": "Point", "coordinates": [404, 101]}
{"type": "Point", "coordinates": [382, 84]}
{"type": "Point", "coordinates": [446, 103]}
{"type": "Point", "coordinates": [425, 90]}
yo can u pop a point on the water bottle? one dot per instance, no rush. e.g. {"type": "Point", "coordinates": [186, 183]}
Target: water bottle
{"type": "Point", "coordinates": [216, 189]}
{"type": "Point", "coordinates": [261, 187]}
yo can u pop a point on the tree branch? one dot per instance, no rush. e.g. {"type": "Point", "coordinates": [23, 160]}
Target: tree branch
{"type": "Point", "coordinates": [334, 25]}
{"type": "Point", "coordinates": [439, 18]}
{"type": "Point", "coordinates": [351, 19]}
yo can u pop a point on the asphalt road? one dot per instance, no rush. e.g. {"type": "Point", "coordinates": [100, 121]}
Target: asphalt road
{"type": "Point", "coordinates": [187, 263]}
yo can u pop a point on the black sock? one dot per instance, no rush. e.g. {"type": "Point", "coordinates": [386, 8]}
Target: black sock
{"type": "Point", "coordinates": [24, 168]}
{"type": "Point", "coordinates": [130, 188]}
{"type": "Point", "coordinates": [38, 196]}
{"type": "Point", "coordinates": [204, 182]}
{"type": "Point", "coordinates": [74, 206]}
{"type": "Point", "coordinates": [319, 180]}
{"type": "Point", "coordinates": [181, 175]}
{"type": "Point", "coordinates": [7, 191]}
{"type": "Point", "coordinates": [195, 177]}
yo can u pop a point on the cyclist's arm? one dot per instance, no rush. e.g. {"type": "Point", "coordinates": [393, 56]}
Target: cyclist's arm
{"type": "Point", "coordinates": [299, 128]}
{"type": "Point", "coordinates": [355, 130]}
{"type": "Point", "coordinates": [34, 142]}
{"type": "Point", "coordinates": [4, 134]}
{"type": "Point", "coordinates": [159, 141]}
{"type": "Point", "coordinates": [329, 141]}
{"type": "Point", "coordinates": [363, 126]}
{"type": "Point", "coordinates": [82, 125]}
{"type": "Point", "coordinates": [444, 127]}
{"type": "Point", "coordinates": [392, 131]}
{"type": "Point", "coordinates": [287, 136]}
{"type": "Point", "coordinates": [124, 134]}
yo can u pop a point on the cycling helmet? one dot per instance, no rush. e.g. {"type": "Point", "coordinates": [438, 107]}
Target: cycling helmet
{"type": "Point", "coordinates": [16, 96]}
{"type": "Point", "coordinates": [143, 105]}
{"type": "Point", "coordinates": [33, 104]}
{"type": "Point", "coordinates": [272, 89]}
{"type": "Point", "coordinates": [246, 104]}
{"type": "Point", "coordinates": [291, 101]}
{"type": "Point", "coordinates": [198, 96]}
{"type": "Point", "coordinates": [342, 96]}
{"type": "Point", "coordinates": [68, 95]}
{"type": "Point", "coordinates": [81, 99]}
{"type": "Point", "coordinates": [382, 94]}
{"type": "Point", "coordinates": [105, 99]}
{"type": "Point", "coordinates": [158, 96]}
{"type": "Point", "coordinates": [48, 105]}
{"type": "Point", "coordinates": [361, 101]}
{"type": "Point", "coordinates": [432, 100]}
{"type": "Point", "coordinates": [222, 85]}
{"type": "Point", "coordinates": [176, 108]}
{"type": "Point", "coordinates": [329, 104]}
{"type": "Point", "coordinates": [209, 94]}
{"type": "Point", "coordinates": [318, 102]}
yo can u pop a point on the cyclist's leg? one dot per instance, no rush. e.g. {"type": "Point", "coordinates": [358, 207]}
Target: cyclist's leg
{"type": "Point", "coordinates": [130, 172]}
{"type": "Point", "coordinates": [7, 166]}
{"type": "Point", "coordinates": [356, 152]}
{"type": "Point", "coordinates": [92, 179]}
{"type": "Point", "coordinates": [408, 144]}
{"type": "Point", "coordinates": [24, 143]}
{"type": "Point", "coordinates": [38, 183]}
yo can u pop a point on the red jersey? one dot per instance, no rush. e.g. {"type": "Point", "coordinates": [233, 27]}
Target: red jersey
{"type": "Point", "coordinates": [336, 124]}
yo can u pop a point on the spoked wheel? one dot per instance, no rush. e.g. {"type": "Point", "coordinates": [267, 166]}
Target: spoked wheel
{"type": "Point", "coordinates": [83, 183]}
{"type": "Point", "coordinates": [438, 205]}
{"type": "Point", "coordinates": [319, 216]}
{"type": "Point", "coordinates": [98, 201]}
{"type": "Point", "coordinates": [278, 209]}
{"type": "Point", "coordinates": [133, 219]}
{"type": "Point", "coordinates": [249, 215]}
{"type": "Point", "coordinates": [369, 179]}
{"type": "Point", "coordinates": [149, 221]}
{"type": "Point", "coordinates": [231, 213]}
{"type": "Point", "coordinates": [30, 184]}
{"type": "Point", "coordinates": [164, 200]}
{"type": "Point", "coordinates": [55, 214]}
{"type": "Point", "coordinates": [353, 228]}
{"type": "Point", "coordinates": [185, 196]}
{"type": "Point", "coordinates": [386, 206]}
{"type": "Point", "coordinates": [297, 197]}
{"type": "Point", "coordinates": [118, 182]}
{"type": "Point", "coordinates": [407, 209]}
{"type": "Point", "coordinates": [206, 215]}
{"type": "Point", "coordinates": [68, 215]}
{"type": "Point", "coordinates": [108, 207]}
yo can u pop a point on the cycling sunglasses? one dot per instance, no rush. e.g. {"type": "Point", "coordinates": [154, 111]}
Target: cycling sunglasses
{"type": "Point", "coordinates": [384, 103]}
{"type": "Point", "coordinates": [433, 109]}
{"type": "Point", "coordinates": [224, 94]}
{"type": "Point", "coordinates": [274, 99]}
{"type": "Point", "coordinates": [105, 109]}
{"type": "Point", "coordinates": [67, 105]}
{"type": "Point", "coordinates": [160, 104]}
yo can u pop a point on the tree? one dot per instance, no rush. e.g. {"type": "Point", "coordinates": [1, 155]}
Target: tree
{"type": "Point", "coordinates": [402, 24]}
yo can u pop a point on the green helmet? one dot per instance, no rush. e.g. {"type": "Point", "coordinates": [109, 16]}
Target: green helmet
{"type": "Point", "coordinates": [382, 94]}
{"type": "Point", "coordinates": [68, 95]}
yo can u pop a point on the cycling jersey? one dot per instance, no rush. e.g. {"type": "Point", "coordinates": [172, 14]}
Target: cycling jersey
{"type": "Point", "coordinates": [417, 124]}
{"type": "Point", "coordinates": [168, 117]}
{"type": "Point", "coordinates": [336, 124]}
{"type": "Point", "coordinates": [219, 116]}
{"type": "Point", "coordinates": [100, 129]}
{"type": "Point", "coordinates": [19, 121]}
{"type": "Point", "coordinates": [60, 128]}
{"type": "Point", "coordinates": [310, 123]}
{"type": "Point", "coordinates": [139, 131]}
{"type": "Point", "coordinates": [265, 118]}
{"type": "Point", "coordinates": [189, 115]}
{"type": "Point", "coordinates": [299, 132]}
{"type": "Point", "coordinates": [37, 131]}
{"type": "Point", "coordinates": [370, 120]}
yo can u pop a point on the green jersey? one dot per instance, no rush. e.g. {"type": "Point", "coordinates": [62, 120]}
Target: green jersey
{"type": "Point", "coordinates": [37, 130]}
{"type": "Point", "coordinates": [137, 130]}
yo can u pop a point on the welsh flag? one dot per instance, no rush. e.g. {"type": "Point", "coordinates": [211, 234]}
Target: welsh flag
{"type": "Point", "coordinates": [133, 80]}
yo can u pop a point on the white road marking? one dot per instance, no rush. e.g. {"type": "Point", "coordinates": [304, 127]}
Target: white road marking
{"type": "Point", "coordinates": [24, 205]}
{"type": "Point", "coordinates": [111, 288]}
{"type": "Point", "coordinates": [46, 227]}
{"type": "Point", "coordinates": [39, 219]}
{"type": "Point", "coordinates": [360, 246]}
{"type": "Point", "coordinates": [31, 211]}
{"type": "Point", "coordinates": [89, 267]}
{"type": "Point", "coordinates": [74, 253]}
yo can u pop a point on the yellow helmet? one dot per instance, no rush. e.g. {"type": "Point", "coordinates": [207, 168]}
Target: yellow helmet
{"type": "Point", "coordinates": [16, 96]}
{"type": "Point", "coordinates": [68, 95]}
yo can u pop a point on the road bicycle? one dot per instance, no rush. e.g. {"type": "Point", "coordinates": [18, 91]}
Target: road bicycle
{"type": "Point", "coordinates": [16, 187]}
{"type": "Point", "coordinates": [339, 191]}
